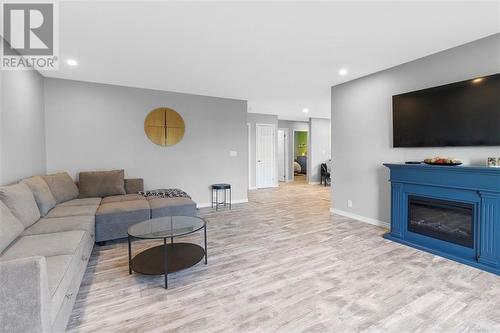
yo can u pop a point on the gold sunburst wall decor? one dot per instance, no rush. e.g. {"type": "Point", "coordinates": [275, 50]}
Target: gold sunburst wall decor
{"type": "Point", "coordinates": [164, 126]}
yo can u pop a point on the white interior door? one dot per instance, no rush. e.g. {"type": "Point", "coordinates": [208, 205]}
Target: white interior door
{"type": "Point", "coordinates": [281, 155]}
{"type": "Point", "coordinates": [265, 156]}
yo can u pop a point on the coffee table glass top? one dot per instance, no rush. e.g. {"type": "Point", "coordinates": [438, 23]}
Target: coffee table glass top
{"type": "Point", "coordinates": [165, 227]}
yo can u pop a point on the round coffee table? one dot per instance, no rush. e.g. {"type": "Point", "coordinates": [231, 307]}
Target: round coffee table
{"type": "Point", "coordinates": [166, 258]}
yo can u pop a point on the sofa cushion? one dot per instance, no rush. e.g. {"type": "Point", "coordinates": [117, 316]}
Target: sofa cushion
{"type": "Point", "coordinates": [101, 183]}
{"type": "Point", "coordinates": [59, 224]}
{"type": "Point", "coordinates": [126, 197]}
{"type": "Point", "coordinates": [171, 207]}
{"type": "Point", "coordinates": [121, 207]}
{"type": "Point", "coordinates": [10, 227]}
{"type": "Point", "coordinates": [64, 211]}
{"type": "Point", "coordinates": [45, 245]}
{"type": "Point", "coordinates": [19, 199]}
{"type": "Point", "coordinates": [43, 197]}
{"type": "Point", "coordinates": [82, 202]}
{"type": "Point", "coordinates": [61, 185]}
{"type": "Point", "coordinates": [134, 185]}
{"type": "Point", "coordinates": [113, 218]}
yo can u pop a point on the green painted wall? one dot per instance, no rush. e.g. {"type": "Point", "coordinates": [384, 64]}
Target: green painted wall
{"type": "Point", "coordinates": [300, 143]}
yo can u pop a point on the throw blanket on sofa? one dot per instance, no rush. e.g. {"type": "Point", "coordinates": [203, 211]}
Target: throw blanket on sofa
{"type": "Point", "coordinates": [165, 193]}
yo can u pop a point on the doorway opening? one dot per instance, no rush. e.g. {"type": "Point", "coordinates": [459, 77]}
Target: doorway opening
{"type": "Point", "coordinates": [300, 146]}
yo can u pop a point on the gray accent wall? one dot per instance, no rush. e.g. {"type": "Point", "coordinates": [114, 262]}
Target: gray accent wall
{"type": "Point", "coordinates": [22, 125]}
{"type": "Point", "coordinates": [292, 126]}
{"type": "Point", "coordinates": [362, 124]}
{"type": "Point", "coordinates": [99, 127]}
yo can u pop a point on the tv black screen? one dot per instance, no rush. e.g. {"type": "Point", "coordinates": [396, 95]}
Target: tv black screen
{"type": "Point", "coordinates": [465, 113]}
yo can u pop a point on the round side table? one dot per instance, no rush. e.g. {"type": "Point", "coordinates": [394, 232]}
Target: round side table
{"type": "Point", "coordinates": [215, 196]}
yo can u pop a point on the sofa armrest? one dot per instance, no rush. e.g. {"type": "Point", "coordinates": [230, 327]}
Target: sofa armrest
{"type": "Point", "coordinates": [134, 185]}
{"type": "Point", "coordinates": [24, 295]}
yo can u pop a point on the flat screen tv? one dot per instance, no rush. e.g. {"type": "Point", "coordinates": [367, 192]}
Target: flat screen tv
{"type": "Point", "coordinates": [465, 113]}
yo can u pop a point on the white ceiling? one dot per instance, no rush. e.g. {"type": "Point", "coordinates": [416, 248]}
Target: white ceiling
{"type": "Point", "coordinates": [280, 56]}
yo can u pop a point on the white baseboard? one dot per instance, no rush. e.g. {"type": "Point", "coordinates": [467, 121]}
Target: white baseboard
{"type": "Point", "coordinates": [263, 188]}
{"type": "Point", "coordinates": [361, 218]}
{"type": "Point", "coordinates": [235, 202]}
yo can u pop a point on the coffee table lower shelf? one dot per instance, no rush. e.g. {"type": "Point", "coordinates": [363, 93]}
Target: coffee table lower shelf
{"type": "Point", "coordinates": [179, 256]}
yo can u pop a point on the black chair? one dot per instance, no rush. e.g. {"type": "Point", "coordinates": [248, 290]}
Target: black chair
{"type": "Point", "coordinates": [325, 175]}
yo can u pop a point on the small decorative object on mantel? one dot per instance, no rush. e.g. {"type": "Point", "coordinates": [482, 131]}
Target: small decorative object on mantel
{"type": "Point", "coordinates": [442, 161]}
{"type": "Point", "coordinates": [494, 162]}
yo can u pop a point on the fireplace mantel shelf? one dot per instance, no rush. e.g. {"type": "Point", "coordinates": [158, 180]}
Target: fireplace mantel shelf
{"type": "Point", "coordinates": [446, 168]}
{"type": "Point", "coordinates": [474, 185]}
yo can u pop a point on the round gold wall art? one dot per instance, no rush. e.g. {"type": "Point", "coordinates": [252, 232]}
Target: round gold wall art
{"type": "Point", "coordinates": [164, 126]}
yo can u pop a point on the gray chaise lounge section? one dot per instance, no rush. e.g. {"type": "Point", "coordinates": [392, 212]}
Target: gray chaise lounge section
{"type": "Point", "coordinates": [42, 263]}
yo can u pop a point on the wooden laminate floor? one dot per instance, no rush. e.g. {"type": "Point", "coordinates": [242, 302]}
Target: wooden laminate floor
{"type": "Point", "coordinates": [283, 263]}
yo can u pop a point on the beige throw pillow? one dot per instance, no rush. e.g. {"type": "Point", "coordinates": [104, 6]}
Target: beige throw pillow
{"type": "Point", "coordinates": [101, 183]}
{"type": "Point", "coordinates": [20, 201]}
{"type": "Point", "coordinates": [10, 227]}
{"type": "Point", "coordinates": [61, 185]}
{"type": "Point", "coordinates": [41, 191]}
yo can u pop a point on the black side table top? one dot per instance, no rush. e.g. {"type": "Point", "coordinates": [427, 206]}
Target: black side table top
{"type": "Point", "coordinates": [221, 186]}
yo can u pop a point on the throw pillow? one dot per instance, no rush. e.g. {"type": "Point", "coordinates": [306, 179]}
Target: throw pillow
{"type": "Point", "coordinates": [43, 197]}
{"type": "Point", "coordinates": [101, 183]}
{"type": "Point", "coordinates": [10, 226]}
{"type": "Point", "coordinates": [19, 199]}
{"type": "Point", "coordinates": [61, 185]}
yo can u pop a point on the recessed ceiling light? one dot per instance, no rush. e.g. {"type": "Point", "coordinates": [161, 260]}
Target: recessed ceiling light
{"type": "Point", "coordinates": [72, 62]}
{"type": "Point", "coordinates": [305, 110]}
{"type": "Point", "coordinates": [343, 71]}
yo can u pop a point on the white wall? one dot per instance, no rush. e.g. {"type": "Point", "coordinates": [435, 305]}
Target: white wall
{"type": "Point", "coordinates": [319, 150]}
{"type": "Point", "coordinates": [291, 126]}
{"type": "Point", "coordinates": [97, 127]}
{"type": "Point", "coordinates": [22, 125]}
{"type": "Point", "coordinates": [252, 120]}
{"type": "Point", "coordinates": [362, 124]}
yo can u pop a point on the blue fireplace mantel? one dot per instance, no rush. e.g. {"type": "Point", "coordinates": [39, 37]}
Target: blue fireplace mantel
{"type": "Point", "coordinates": [473, 185]}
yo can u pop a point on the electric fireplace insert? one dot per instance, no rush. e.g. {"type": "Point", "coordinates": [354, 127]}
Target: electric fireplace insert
{"type": "Point", "coordinates": [442, 219]}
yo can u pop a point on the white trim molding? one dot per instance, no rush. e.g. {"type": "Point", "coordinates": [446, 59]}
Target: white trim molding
{"type": "Point", "coordinates": [361, 218]}
{"type": "Point", "coordinates": [235, 202]}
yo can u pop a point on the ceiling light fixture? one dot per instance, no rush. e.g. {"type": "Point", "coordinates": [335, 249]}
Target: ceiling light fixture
{"type": "Point", "coordinates": [343, 71]}
{"type": "Point", "coordinates": [479, 79]}
{"type": "Point", "coordinates": [305, 110]}
{"type": "Point", "coordinates": [72, 62]}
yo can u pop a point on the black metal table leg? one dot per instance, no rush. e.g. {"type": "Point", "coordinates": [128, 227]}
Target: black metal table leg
{"type": "Point", "coordinates": [165, 266]}
{"type": "Point", "coordinates": [129, 256]}
{"type": "Point", "coordinates": [212, 197]}
{"type": "Point", "coordinates": [230, 198]}
{"type": "Point", "coordinates": [216, 200]}
{"type": "Point", "coordinates": [206, 255]}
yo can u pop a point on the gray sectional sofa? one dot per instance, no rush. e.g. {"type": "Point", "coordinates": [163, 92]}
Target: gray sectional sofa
{"type": "Point", "coordinates": [48, 227]}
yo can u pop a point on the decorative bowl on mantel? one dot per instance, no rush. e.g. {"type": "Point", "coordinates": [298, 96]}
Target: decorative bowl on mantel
{"type": "Point", "coordinates": [442, 161]}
